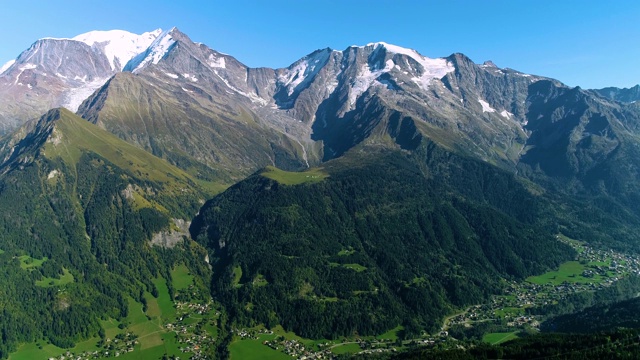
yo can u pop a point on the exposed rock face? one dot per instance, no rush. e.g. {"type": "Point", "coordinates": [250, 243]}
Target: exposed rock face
{"type": "Point", "coordinates": [625, 95]}
{"type": "Point", "coordinates": [169, 239]}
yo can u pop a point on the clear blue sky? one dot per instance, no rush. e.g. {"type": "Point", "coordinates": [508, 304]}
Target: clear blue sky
{"type": "Point", "coordinates": [588, 43]}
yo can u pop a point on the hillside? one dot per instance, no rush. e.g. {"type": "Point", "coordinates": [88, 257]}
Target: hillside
{"type": "Point", "coordinates": [79, 204]}
{"type": "Point", "coordinates": [375, 236]}
{"type": "Point", "coordinates": [598, 318]}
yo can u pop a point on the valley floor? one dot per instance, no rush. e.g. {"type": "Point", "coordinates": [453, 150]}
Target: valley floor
{"type": "Point", "coordinates": [591, 271]}
{"type": "Point", "coordinates": [188, 329]}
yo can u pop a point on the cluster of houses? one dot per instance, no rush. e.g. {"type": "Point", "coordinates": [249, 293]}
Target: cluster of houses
{"type": "Point", "coordinates": [297, 350]}
{"type": "Point", "coordinates": [194, 308]}
{"type": "Point", "coordinates": [245, 334]}
{"type": "Point", "coordinates": [191, 339]}
{"type": "Point", "coordinates": [121, 344]}
{"type": "Point", "coordinates": [526, 294]}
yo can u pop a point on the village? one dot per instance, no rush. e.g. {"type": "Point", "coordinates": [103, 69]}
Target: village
{"type": "Point", "coordinates": [121, 344]}
{"type": "Point", "coordinates": [602, 268]}
{"type": "Point", "coordinates": [190, 335]}
{"type": "Point", "coordinates": [191, 327]}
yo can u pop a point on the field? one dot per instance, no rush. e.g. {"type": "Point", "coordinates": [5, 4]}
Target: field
{"type": "Point", "coordinates": [29, 263]}
{"type": "Point", "coordinates": [260, 281]}
{"type": "Point", "coordinates": [346, 348]}
{"type": "Point", "coordinates": [253, 349]}
{"type": "Point", "coordinates": [153, 309]}
{"type": "Point", "coordinates": [67, 278]}
{"type": "Point", "coordinates": [42, 350]}
{"type": "Point", "coordinates": [153, 339]}
{"type": "Point", "coordinates": [181, 277]}
{"type": "Point", "coordinates": [354, 267]}
{"type": "Point", "coordinates": [391, 334]}
{"type": "Point", "coordinates": [498, 338]}
{"type": "Point", "coordinates": [237, 275]}
{"type": "Point", "coordinates": [570, 272]}
{"type": "Point", "coordinates": [294, 178]}
{"type": "Point", "coordinates": [164, 300]}
{"type": "Point", "coordinates": [510, 311]}
{"type": "Point", "coordinates": [345, 252]}
{"type": "Point", "coordinates": [110, 327]}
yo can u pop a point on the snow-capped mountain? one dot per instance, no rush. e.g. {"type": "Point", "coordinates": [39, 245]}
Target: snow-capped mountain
{"type": "Point", "coordinates": [152, 53]}
{"type": "Point", "coordinates": [119, 46]}
{"type": "Point", "coordinates": [331, 101]}
{"type": "Point", "coordinates": [64, 72]}
{"type": "Point", "coordinates": [171, 96]}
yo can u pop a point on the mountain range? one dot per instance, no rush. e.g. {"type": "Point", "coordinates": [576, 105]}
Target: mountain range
{"type": "Point", "coordinates": [315, 110]}
{"type": "Point", "coordinates": [426, 180]}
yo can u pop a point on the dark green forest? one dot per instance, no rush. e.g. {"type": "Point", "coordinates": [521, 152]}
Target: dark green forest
{"type": "Point", "coordinates": [606, 316]}
{"type": "Point", "coordinates": [621, 344]}
{"type": "Point", "coordinates": [384, 240]}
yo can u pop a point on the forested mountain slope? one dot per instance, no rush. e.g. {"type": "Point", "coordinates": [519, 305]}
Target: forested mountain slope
{"type": "Point", "coordinates": [76, 201]}
{"type": "Point", "coordinates": [386, 238]}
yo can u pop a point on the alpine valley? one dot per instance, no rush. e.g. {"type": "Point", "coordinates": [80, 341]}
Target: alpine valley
{"type": "Point", "coordinates": [161, 199]}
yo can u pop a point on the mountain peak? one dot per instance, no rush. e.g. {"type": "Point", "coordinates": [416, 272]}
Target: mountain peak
{"type": "Point", "coordinates": [489, 63]}
{"type": "Point", "coordinates": [160, 46]}
{"type": "Point", "coordinates": [119, 46]}
{"type": "Point", "coordinates": [98, 36]}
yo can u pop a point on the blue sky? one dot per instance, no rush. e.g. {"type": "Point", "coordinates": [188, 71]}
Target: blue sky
{"type": "Point", "coordinates": [588, 43]}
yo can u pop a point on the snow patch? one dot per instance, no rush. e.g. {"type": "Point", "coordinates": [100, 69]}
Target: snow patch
{"type": "Point", "coordinates": [22, 69]}
{"type": "Point", "coordinates": [119, 45]}
{"type": "Point", "coordinates": [173, 76]}
{"type": "Point", "coordinates": [74, 97]}
{"type": "Point", "coordinates": [365, 79]}
{"type": "Point", "coordinates": [6, 66]}
{"type": "Point", "coordinates": [431, 68]}
{"type": "Point", "coordinates": [506, 114]}
{"type": "Point", "coordinates": [154, 53]}
{"type": "Point", "coordinates": [215, 62]}
{"type": "Point", "coordinates": [304, 71]}
{"type": "Point", "coordinates": [252, 97]}
{"type": "Point", "coordinates": [485, 106]}
{"type": "Point", "coordinates": [190, 77]}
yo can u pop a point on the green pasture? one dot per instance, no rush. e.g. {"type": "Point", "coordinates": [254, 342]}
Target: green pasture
{"type": "Point", "coordinates": [500, 337]}
{"type": "Point", "coordinates": [294, 178]}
